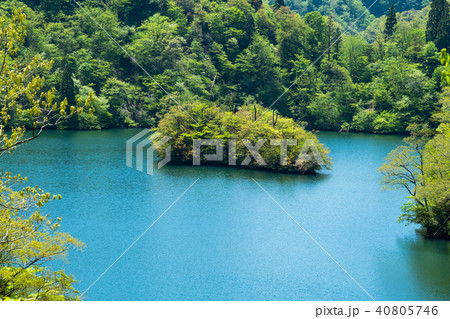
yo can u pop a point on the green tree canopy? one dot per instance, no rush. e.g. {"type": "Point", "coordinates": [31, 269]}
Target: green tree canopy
{"type": "Point", "coordinates": [29, 239]}
{"type": "Point", "coordinates": [422, 169]}
{"type": "Point", "coordinates": [391, 22]}
{"type": "Point", "coordinates": [438, 25]}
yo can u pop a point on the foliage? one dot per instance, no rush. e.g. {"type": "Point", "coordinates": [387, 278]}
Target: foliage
{"type": "Point", "coordinates": [363, 121]}
{"type": "Point", "coordinates": [212, 123]}
{"type": "Point", "coordinates": [391, 21]}
{"type": "Point", "coordinates": [345, 12]}
{"type": "Point", "coordinates": [67, 89]}
{"type": "Point", "coordinates": [422, 169]}
{"type": "Point", "coordinates": [324, 113]}
{"type": "Point", "coordinates": [257, 71]}
{"type": "Point", "coordinates": [438, 25]}
{"type": "Point", "coordinates": [381, 6]}
{"type": "Point", "coordinates": [20, 88]}
{"type": "Point", "coordinates": [445, 60]}
{"type": "Point", "coordinates": [228, 52]}
{"type": "Point", "coordinates": [157, 44]}
{"type": "Point", "coordinates": [278, 4]}
{"type": "Point", "coordinates": [29, 239]}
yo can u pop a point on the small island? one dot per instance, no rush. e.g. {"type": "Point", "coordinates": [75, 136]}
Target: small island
{"type": "Point", "coordinates": [250, 136]}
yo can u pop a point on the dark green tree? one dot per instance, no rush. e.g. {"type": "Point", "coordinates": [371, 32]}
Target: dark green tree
{"type": "Point", "coordinates": [331, 39]}
{"type": "Point", "coordinates": [134, 12]}
{"type": "Point", "coordinates": [278, 4]}
{"type": "Point", "coordinates": [67, 89]}
{"type": "Point", "coordinates": [317, 23]}
{"type": "Point", "coordinates": [256, 4]}
{"type": "Point", "coordinates": [292, 35]}
{"type": "Point", "coordinates": [53, 7]}
{"type": "Point", "coordinates": [391, 22]}
{"type": "Point", "coordinates": [438, 24]}
{"type": "Point", "coordinates": [257, 71]}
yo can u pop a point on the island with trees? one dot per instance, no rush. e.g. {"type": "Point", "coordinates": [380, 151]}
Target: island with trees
{"type": "Point", "coordinates": [279, 143]}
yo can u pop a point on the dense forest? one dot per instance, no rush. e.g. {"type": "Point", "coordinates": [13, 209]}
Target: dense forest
{"type": "Point", "coordinates": [347, 11]}
{"type": "Point", "coordinates": [160, 53]}
{"type": "Point", "coordinates": [93, 64]}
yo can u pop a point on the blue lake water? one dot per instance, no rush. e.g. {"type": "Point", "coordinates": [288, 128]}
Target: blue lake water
{"type": "Point", "coordinates": [225, 239]}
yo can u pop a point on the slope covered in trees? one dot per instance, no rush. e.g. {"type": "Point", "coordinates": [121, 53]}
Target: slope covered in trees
{"type": "Point", "coordinates": [348, 11]}
{"type": "Point", "coordinates": [233, 52]}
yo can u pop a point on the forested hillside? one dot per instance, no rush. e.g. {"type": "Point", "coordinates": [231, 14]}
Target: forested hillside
{"type": "Point", "coordinates": [233, 53]}
{"type": "Point", "coordinates": [347, 11]}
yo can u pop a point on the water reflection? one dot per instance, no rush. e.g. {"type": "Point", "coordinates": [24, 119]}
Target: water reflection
{"type": "Point", "coordinates": [217, 172]}
{"type": "Point", "coordinates": [429, 261]}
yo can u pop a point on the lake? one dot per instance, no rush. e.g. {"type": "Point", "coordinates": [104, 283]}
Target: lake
{"type": "Point", "coordinates": [226, 239]}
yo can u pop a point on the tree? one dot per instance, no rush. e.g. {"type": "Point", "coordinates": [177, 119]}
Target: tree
{"type": "Point", "coordinates": [94, 38]}
{"type": "Point", "coordinates": [256, 4]}
{"type": "Point", "coordinates": [404, 169]}
{"type": "Point", "coordinates": [258, 73]}
{"type": "Point", "coordinates": [53, 7]}
{"type": "Point", "coordinates": [391, 22]}
{"type": "Point", "coordinates": [429, 58]}
{"type": "Point", "coordinates": [233, 26]}
{"type": "Point", "coordinates": [133, 12]}
{"type": "Point", "coordinates": [445, 60]}
{"type": "Point", "coordinates": [191, 48]}
{"type": "Point", "coordinates": [266, 25]}
{"type": "Point", "coordinates": [438, 24]}
{"type": "Point", "coordinates": [67, 89]}
{"type": "Point", "coordinates": [331, 39]}
{"type": "Point", "coordinates": [405, 92]}
{"type": "Point", "coordinates": [437, 188]}
{"type": "Point", "coordinates": [278, 4]}
{"type": "Point", "coordinates": [318, 24]}
{"type": "Point", "coordinates": [291, 35]}
{"type": "Point", "coordinates": [422, 168]}
{"type": "Point", "coordinates": [324, 112]}
{"type": "Point", "coordinates": [28, 239]}
{"type": "Point", "coordinates": [363, 120]}
{"type": "Point", "coordinates": [353, 55]}
{"type": "Point", "coordinates": [302, 92]}
{"type": "Point", "coordinates": [157, 44]}
{"type": "Point", "coordinates": [126, 103]}
{"type": "Point", "coordinates": [345, 12]}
